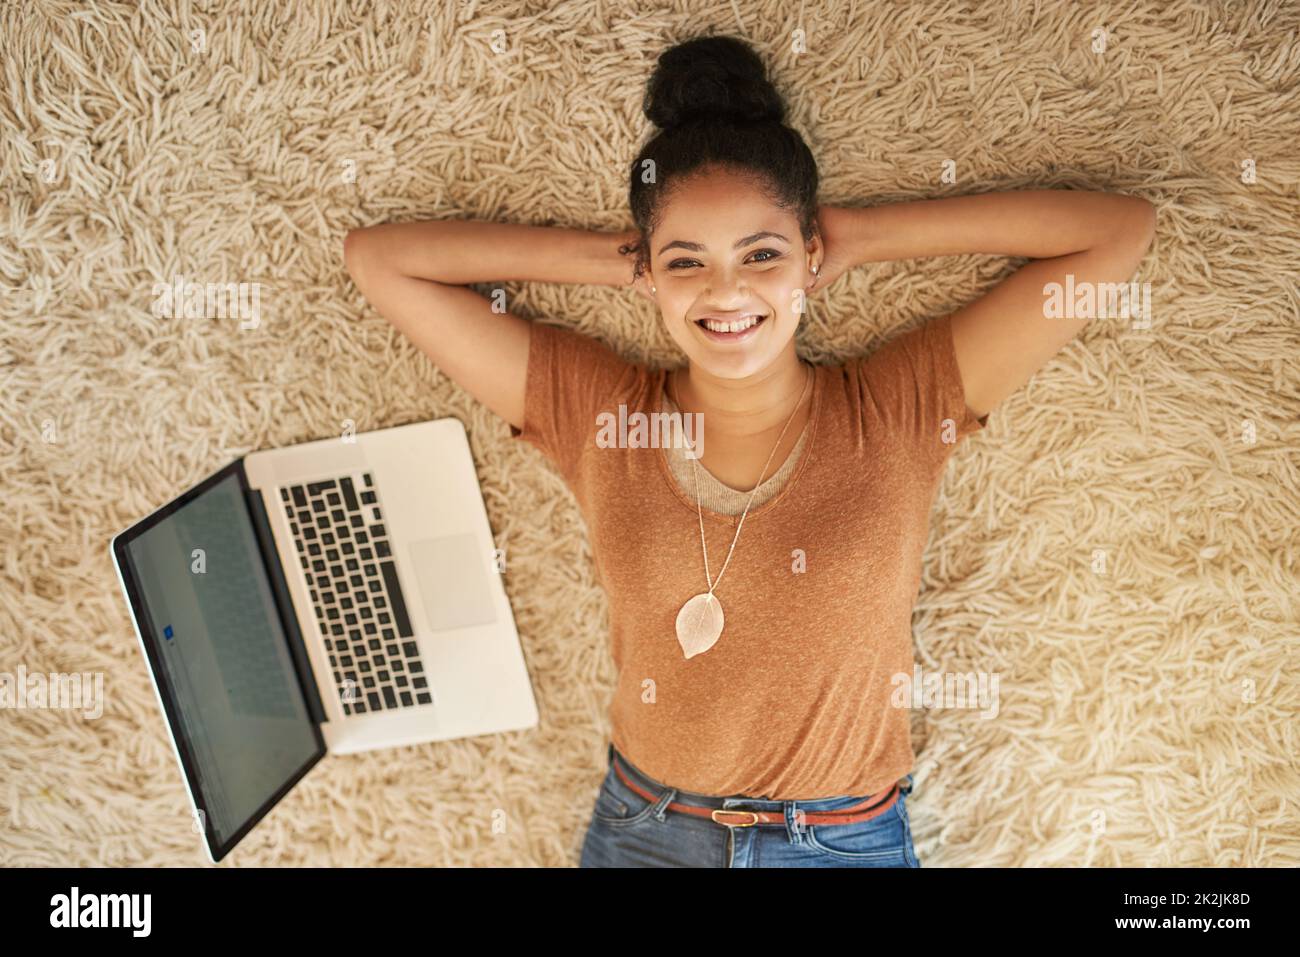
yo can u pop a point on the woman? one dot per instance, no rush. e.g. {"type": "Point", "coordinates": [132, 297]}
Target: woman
{"type": "Point", "coordinates": [761, 580]}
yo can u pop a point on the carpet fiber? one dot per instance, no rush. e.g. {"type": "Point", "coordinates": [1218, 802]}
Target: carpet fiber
{"type": "Point", "coordinates": [1119, 545]}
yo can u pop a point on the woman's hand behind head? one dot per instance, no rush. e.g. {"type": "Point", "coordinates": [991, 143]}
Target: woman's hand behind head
{"type": "Point", "coordinates": [834, 225]}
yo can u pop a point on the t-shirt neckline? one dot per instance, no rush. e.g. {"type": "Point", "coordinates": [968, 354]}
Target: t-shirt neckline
{"type": "Point", "coordinates": [665, 469]}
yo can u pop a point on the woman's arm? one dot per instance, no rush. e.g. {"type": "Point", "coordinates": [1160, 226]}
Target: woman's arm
{"type": "Point", "coordinates": [458, 252]}
{"type": "Point", "coordinates": [413, 274]}
{"type": "Point", "coordinates": [1092, 239]}
{"type": "Point", "coordinates": [1037, 223]}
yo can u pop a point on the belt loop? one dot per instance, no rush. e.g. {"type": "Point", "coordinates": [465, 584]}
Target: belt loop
{"type": "Point", "coordinates": [795, 828]}
{"type": "Point", "coordinates": [665, 799]}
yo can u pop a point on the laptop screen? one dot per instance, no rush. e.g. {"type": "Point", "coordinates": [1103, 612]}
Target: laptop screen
{"type": "Point", "coordinates": [220, 656]}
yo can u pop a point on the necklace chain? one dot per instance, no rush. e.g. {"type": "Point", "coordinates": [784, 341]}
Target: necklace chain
{"type": "Point", "coordinates": [699, 510]}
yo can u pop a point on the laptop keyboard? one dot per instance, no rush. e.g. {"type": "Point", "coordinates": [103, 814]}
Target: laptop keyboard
{"type": "Point", "coordinates": [348, 561]}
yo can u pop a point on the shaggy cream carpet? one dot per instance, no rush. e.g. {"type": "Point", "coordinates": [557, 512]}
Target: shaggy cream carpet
{"type": "Point", "coordinates": [1120, 544]}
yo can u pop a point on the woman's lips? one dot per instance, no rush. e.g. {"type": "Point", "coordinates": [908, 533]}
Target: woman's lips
{"type": "Point", "coordinates": [731, 337]}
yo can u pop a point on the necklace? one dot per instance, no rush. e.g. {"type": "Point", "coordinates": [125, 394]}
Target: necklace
{"type": "Point", "coordinates": [699, 623]}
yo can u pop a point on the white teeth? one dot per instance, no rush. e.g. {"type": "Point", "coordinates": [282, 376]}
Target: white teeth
{"type": "Point", "coordinates": [739, 326]}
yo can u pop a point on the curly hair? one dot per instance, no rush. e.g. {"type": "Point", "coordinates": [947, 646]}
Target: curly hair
{"type": "Point", "coordinates": [716, 109]}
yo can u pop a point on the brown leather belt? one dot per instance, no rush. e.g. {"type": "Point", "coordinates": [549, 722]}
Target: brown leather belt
{"type": "Point", "coordinates": [868, 808]}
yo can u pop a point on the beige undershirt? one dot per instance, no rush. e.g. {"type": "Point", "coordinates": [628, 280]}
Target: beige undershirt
{"type": "Point", "coordinates": [716, 496]}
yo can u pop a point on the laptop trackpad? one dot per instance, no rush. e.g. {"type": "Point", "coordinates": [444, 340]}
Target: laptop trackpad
{"type": "Point", "coordinates": [452, 573]}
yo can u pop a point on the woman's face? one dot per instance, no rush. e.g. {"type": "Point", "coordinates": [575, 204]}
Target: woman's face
{"type": "Point", "coordinates": [723, 250]}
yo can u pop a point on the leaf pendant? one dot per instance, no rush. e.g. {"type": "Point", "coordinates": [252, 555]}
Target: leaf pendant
{"type": "Point", "coordinates": [699, 624]}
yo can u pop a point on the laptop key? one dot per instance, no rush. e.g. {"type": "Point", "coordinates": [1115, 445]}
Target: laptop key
{"type": "Point", "coordinates": [394, 588]}
{"type": "Point", "coordinates": [349, 496]}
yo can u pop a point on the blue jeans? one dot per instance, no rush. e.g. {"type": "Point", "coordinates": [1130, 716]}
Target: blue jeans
{"type": "Point", "coordinates": [628, 830]}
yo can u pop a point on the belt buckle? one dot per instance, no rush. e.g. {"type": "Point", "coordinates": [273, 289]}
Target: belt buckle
{"type": "Point", "coordinates": [721, 810]}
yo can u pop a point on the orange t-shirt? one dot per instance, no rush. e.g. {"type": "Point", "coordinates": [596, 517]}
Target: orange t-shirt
{"type": "Point", "coordinates": [793, 701]}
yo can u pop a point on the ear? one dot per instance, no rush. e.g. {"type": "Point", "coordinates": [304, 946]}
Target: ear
{"type": "Point", "coordinates": [642, 285]}
{"type": "Point", "coordinates": [815, 248]}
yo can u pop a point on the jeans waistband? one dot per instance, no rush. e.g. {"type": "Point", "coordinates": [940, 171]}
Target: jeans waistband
{"type": "Point", "coordinates": [712, 801]}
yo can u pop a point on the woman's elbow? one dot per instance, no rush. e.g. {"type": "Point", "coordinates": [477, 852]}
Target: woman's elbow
{"type": "Point", "coordinates": [360, 256]}
{"type": "Point", "coordinates": [353, 242]}
{"type": "Point", "coordinates": [1146, 220]}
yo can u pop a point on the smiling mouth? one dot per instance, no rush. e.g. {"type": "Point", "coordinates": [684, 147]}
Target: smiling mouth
{"type": "Point", "coordinates": [730, 328]}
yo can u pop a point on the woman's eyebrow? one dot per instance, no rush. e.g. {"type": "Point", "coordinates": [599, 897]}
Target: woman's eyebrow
{"type": "Point", "coordinates": [696, 247]}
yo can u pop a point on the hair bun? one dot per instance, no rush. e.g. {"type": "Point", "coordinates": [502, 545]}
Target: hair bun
{"type": "Point", "coordinates": [708, 78]}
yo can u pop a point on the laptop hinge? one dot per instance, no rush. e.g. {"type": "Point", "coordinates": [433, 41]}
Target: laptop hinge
{"type": "Point", "coordinates": [283, 601]}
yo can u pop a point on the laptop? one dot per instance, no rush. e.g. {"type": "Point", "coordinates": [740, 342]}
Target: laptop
{"type": "Point", "coordinates": [332, 597]}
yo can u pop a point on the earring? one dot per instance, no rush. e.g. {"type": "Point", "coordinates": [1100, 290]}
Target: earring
{"type": "Point", "coordinates": [653, 289]}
